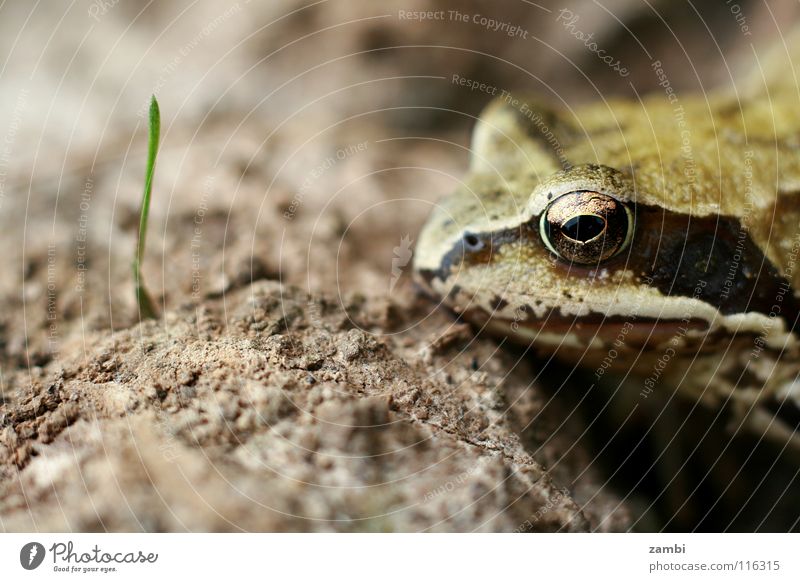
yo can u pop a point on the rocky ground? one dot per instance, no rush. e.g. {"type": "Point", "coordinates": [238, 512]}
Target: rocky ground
{"type": "Point", "coordinates": [295, 379]}
{"type": "Point", "coordinates": [278, 410]}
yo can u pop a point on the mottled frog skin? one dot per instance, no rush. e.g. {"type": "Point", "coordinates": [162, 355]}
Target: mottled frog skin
{"type": "Point", "coordinates": [658, 238]}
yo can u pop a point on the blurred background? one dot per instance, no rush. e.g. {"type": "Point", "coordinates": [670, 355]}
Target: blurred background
{"type": "Point", "coordinates": [256, 95]}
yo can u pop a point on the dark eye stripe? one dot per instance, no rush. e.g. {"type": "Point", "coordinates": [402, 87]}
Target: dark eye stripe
{"type": "Point", "coordinates": [712, 259]}
{"type": "Point", "coordinates": [673, 253]}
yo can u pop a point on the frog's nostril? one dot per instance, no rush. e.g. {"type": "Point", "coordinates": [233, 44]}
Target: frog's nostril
{"type": "Point", "coordinates": [472, 242]}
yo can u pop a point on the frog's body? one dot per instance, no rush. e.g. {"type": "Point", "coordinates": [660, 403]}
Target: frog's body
{"type": "Point", "coordinates": [703, 295]}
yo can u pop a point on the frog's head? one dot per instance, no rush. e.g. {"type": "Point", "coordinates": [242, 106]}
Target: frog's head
{"type": "Point", "coordinates": [539, 245]}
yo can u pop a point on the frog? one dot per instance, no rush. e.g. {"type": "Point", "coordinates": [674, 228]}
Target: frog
{"type": "Point", "coordinates": [656, 240]}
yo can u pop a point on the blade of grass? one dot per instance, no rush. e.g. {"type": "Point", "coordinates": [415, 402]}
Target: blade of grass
{"type": "Point", "coordinates": [146, 307]}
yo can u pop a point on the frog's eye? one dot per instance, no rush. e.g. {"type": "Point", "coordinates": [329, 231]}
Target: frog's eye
{"type": "Point", "coordinates": [586, 227]}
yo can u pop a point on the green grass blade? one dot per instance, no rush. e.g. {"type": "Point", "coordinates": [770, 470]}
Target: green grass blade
{"type": "Point", "coordinates": [145, 303]}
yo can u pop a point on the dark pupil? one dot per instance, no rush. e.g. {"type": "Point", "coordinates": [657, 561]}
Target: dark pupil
{"type": "Point", "coordinates": [583, 227]}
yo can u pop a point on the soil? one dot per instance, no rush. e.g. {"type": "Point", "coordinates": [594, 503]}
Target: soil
{"type": "Point", "coordinates": [295, 379]}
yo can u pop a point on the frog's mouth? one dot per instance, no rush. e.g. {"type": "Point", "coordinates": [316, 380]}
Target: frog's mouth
{"type": "Point", "coordinates": [593, 331]}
